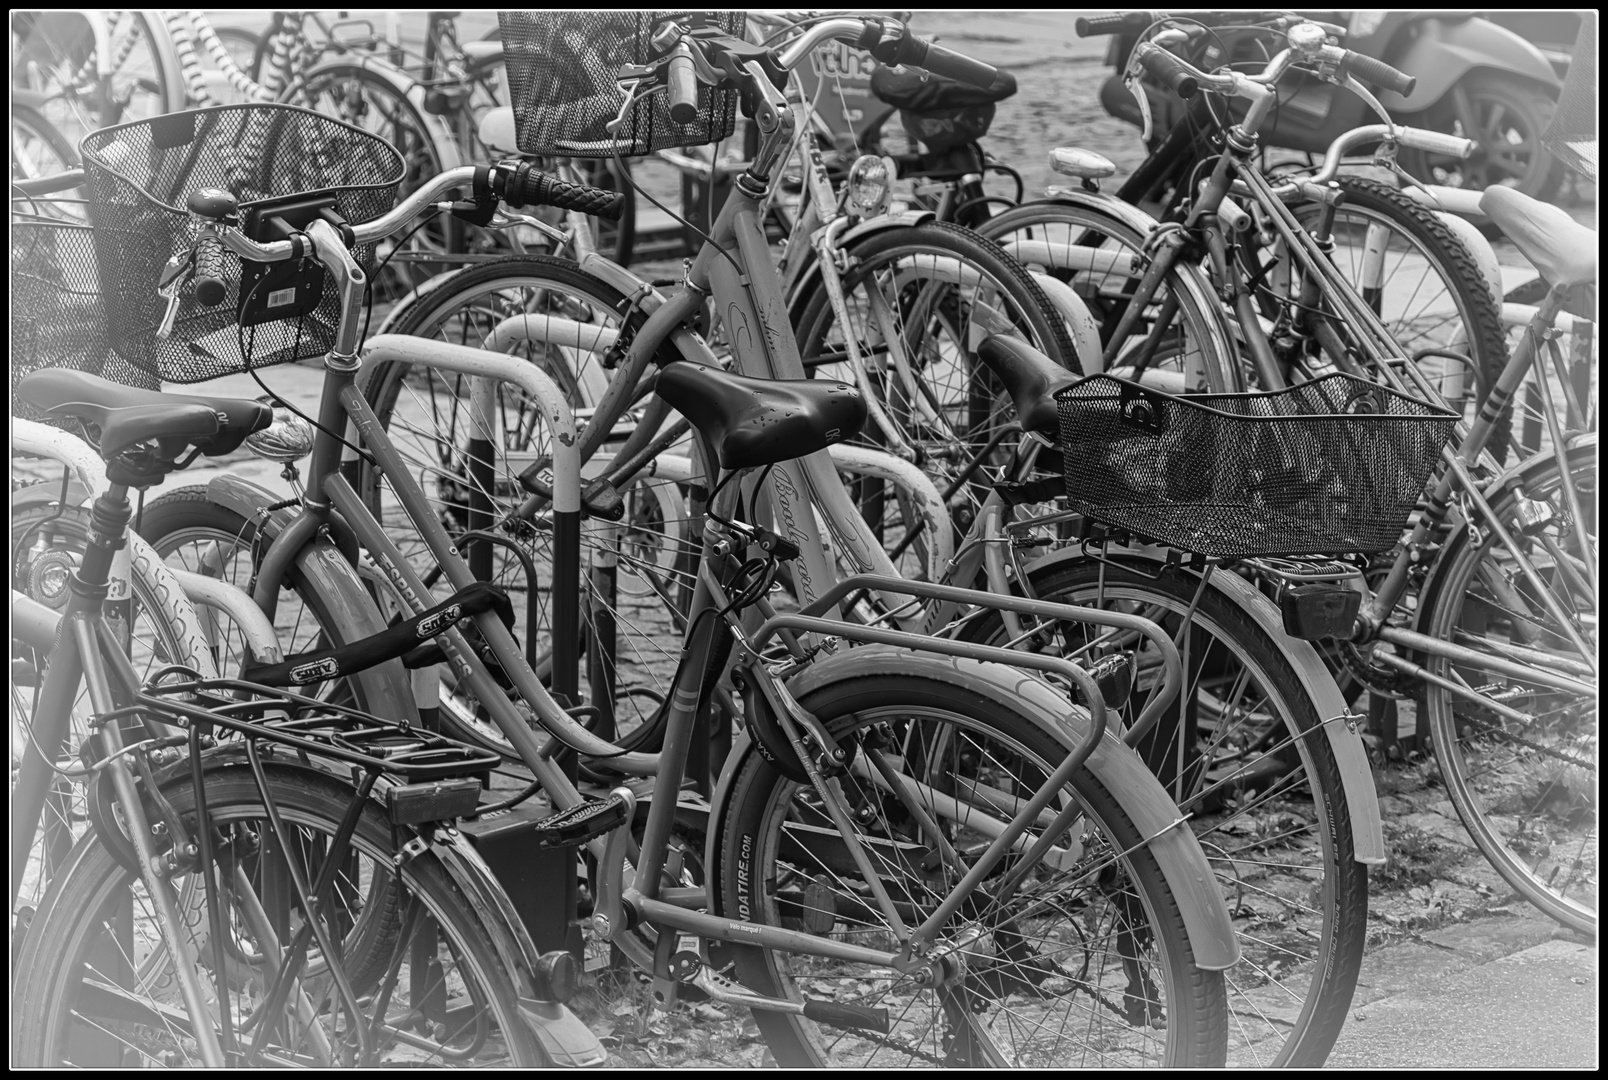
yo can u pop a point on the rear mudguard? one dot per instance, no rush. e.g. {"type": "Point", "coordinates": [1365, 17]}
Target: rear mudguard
{"type": "Point", "coordinates": [804, 287]}
{"type": "Point", "coordinates": [566, 1041]}
{"type": "Point", "coordinates": [1355, 773]}
{"type": "Point", "coordinates": [1442, 51]}
{"type": "Point", "coordinates": [387, 688]}
{"type": "Point", "coordinates": [1138, 792]}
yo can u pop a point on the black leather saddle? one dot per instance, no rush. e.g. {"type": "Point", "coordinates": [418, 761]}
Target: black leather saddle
{"type": "Point", "coordinates": [919, 92]}
{"type": "Point", "coordinates": [127, 416]}
{"type": "Point", "coordinates": [1030, 378]}
{"type": "Point", "coordinates": [753, 422]}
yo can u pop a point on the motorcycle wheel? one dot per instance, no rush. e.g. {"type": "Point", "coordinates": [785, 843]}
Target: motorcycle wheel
{"type": "Point", "coordinates": [1511, 114]}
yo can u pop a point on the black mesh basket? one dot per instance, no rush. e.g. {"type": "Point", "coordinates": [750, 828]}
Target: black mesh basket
{"type": "Point", "coordinates": [1572, 135]}
{"type": "Point", "coordinates": [562, 67]}
{"type": "Point", "coordinates": [1328, 467]}
{"type": "Point", "coordinates": [139, 177]}
{"type": "Point", "coordinates": [58, 319]}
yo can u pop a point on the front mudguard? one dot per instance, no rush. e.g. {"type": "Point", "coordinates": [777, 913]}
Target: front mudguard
{"type": "Point", "coordinates": [1124, 775]}
{"type": "Point", "coordinates": [1443, 51]}
{"type": "Point", "coordinates": [1352, 757]}
{"type": "Point", "coordinates": [804, 286]}
{"type": "Point", "coordinates": [329, 572]}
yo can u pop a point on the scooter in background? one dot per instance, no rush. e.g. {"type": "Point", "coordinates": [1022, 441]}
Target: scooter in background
{"type": "Point", "coordinates": [1475, 79]}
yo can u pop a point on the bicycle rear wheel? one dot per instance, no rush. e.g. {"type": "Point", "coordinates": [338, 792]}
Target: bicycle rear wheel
{"type": "Point", "coordinates": [105, 995]}
{"type": "Point", "coordinates": [1247, 758]}
{"type": "Point", "coordinates": [54, 54]}
{"type": "Point", "coordinates": [1088, 963]}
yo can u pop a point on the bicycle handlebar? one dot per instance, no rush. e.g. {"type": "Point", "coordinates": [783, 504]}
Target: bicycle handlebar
{"type": "Point", "coordinates": [1369, 70]}
{"type": "Point", "coordinates": [210, 284]}
{"type": "Point", "coordinates": [682, 80]}
{"type": "Point", "coordinates": [1133, 22]}
{"type": "Point", "coordinates": [1171, 71]}
{"type": "Point", "coordinates": [528, 186]}
{"type": "Point", "coordinates": [48, 185]}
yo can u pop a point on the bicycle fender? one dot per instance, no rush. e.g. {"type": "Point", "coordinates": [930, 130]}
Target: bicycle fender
{"type": "Point", "coordinates": [1079, 321]}
{"type": "Point", "coordinates": [1478, 247]}
{"type": "Point", "coordinates": [1118, 768]}
{"type": "Point", "coordinates": [1356, 775]}
{"type": "Point", "coordinates": [810, 272]}
{"type": "Point", "coordinates": [567, 1042]}
{"type": "Point", "coordinates": [387, 688]}
{"type": "Point", "coordinates": [1443, 51]}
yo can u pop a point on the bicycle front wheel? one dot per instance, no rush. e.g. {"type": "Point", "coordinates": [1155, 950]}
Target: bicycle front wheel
{"type": "Point", "coordinates": [1519, 755]}
{"type": "Point", "coordinates": [432, 991]}
{"type": "Point", "coordinates": [1086, 963]}
{"type": "Point", "coordinates": [1244, 754]}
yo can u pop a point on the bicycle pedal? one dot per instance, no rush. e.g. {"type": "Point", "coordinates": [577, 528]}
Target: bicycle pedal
{"type": "Point", "coordinates": [580, 823]}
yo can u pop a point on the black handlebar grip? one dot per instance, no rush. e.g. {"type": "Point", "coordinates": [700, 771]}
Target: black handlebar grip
{"type": "Point", "coordinates": [1167, 69]}
{"type": "Point", "coordinates": [1380, 74]}
{"type": "Point", "coordinates": [683, 83]}
{"type": "Point", "coordinates": [948, 63]}
{"type": "Point", "coordinates": [1128, 22]}
{"type": "Point", "coordinates": [531, 187]}
{"type": "Point", "coordinates": [210, 286]}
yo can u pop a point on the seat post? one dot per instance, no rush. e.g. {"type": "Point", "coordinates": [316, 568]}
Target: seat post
{"type": "Point", "coordinates": [109, 516]}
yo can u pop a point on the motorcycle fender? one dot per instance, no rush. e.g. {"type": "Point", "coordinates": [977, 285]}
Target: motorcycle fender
{"type": "Point", "coordinates": [804, 286]}
{"type": "Point", "coordinates": [1141, 796]}
{"type": "Point", "coordinates": [1445, 50]}
{"type": "Point", "coordinates": [1355, 773]}
{"type": "Point", "coordinates": [328, 573]}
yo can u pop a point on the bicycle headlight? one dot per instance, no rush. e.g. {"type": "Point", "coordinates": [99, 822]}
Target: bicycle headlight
{"type": "Point", "coordinates": [870, 185]}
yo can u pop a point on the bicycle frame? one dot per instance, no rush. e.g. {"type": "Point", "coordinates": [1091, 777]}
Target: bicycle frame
{"type": "Point", "coordinates": [1236, 172]}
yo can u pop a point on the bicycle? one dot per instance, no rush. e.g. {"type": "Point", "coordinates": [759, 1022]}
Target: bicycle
{"type": "Point", "coordinates": [213, 971]}
{"type": "Point", "coordinates": [1538, 554]}
{"type": "Point", "coordinates": [325, 481]}
{"type": "Point", "coordinates": [661, 319]}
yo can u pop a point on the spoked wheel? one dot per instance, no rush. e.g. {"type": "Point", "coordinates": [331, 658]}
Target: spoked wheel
{"type": "Point", "coordinates": [415, 960]}
{"type": "Point", "coordinates": [1246, 757]}
{"type": "Point", "coordinates": [1519, 755]}
{"type": "Point", "coordinates": [54, 55]}
{"type": "Point", "coordinates": [469, 463]}
{"type": "Point", "coordinates": [1087, 963]}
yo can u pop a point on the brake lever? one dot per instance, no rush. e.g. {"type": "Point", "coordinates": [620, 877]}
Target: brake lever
{"type": "Point", "coordinates": [177, 270]}
{"type": "Point", "coordinates": [1136, 87]}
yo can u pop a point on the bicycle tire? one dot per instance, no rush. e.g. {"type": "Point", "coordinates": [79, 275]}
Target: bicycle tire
{"type": "Point", "coordinates": [956, 407]}
{"type": "Point", "coordinates": [1526, 792]}
{"type": "Point", "coordinates": [57, 1023]}
{"type": "Point", "coordinates": [763, 873]}
{"type": "Point", "coordinates": [27, 121]}
{"type": "Point", "coordinates": [1230, 649]}
{"type": "Point", "coordinates": [305, 617]}
{"type": "Point", "coordinates": [47, 46]}
{"type": "Point", "coordinates": [1476, 322]}
{"type": "Point", "coordinates": [425, 414]}
{"type": "Point", "coordinates": [1202, 348]}
{"type": "Point", "coordinates": [376, 97]}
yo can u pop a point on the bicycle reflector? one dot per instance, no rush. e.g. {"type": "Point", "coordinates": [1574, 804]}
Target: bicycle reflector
{"type": "Point", "coordinates": [870, 185]}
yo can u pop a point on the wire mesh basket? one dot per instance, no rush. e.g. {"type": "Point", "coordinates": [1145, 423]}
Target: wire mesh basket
{"type": "Point", "coordinates": [139, 177]}
{"type": "Point", "coordinates": [1331, 466]}
{"type": "Point", "coordinates": [58, 318]}
{"type": "Point", "coordinates": [562, 67]}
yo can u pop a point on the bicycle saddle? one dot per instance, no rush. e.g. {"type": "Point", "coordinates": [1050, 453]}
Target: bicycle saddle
{"type": "Point", "coordinates": [126, 416]}
{"type": "Point", "coordinates": [752, 422]}
{"type": "Point", "coordinates": [1564, 251]}
{"type": "Point", "coordinates": [497, 130]}
{"type": "Point", "coordinates": [1030, 378]}
{"type": "Point", "coordinates": [916, 90]}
